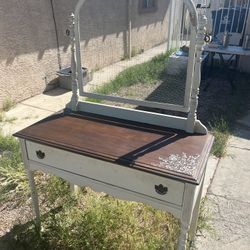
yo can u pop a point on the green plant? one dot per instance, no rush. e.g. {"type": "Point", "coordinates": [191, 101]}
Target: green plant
{"type": "Point", "coordinates": [1, 117]}
{"type": "Point", "coordinates": [97, 221]}
{"type": "Point", "coordinates": [147, 73]}
{"type": "Point", "coordinates": [224, 120]}
{"type": "Point", "coordinates": [56, 190]}
{"type": "Point", "coordinates": [204, 217]}
{"type": "Point", "coordinates": [135, 51]}
{"type": "Point", "coordinates": [8, 104]}
{"type": "Point", "coordinates": [88, 221]}
{"type": "Point", "coordinates": [221, 131]}
{"type": "Point", "coordinates": [12, 174]}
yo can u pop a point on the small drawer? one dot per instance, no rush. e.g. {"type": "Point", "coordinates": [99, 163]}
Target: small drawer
{"type": "Point", "coordinates": [152, 185]}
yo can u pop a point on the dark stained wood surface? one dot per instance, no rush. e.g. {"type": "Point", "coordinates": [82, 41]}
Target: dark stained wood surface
{"type": "Point", "coordinates": [126, 143]}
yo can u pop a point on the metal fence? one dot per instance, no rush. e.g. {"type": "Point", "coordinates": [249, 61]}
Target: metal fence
{"type": "Point", "coordinates": [223, 16]}
{"type": "Point", "coordinates": [181, 30]}
{"type": "Point", "coordinates": [229, 16]}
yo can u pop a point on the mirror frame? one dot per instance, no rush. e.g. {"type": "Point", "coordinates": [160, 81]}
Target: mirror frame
{"type": "Point", "coordinates": [189, 124]}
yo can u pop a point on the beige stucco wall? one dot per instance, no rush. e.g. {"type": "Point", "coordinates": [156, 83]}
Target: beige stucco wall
{"type": "Point", "coordinates": [28, 58]}
{"type": "Point", "coordinates": [149, 29]}
{"type": "Point", "coordinates": [103, 31]}
{"type": "Point", "coordinates": [29, 55]}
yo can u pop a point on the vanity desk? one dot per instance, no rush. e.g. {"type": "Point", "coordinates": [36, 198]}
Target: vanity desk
{"type": "Point", "coordinates": [131, 154]}
{"type": "Point", "coordinates": [130, 160]}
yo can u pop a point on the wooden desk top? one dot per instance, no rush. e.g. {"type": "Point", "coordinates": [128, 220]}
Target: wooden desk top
{"type": "Point", "coordinates": [162, 151]}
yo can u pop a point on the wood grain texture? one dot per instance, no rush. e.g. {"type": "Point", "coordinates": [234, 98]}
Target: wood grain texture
{"type": "Point", "coordinates": [126, 143]}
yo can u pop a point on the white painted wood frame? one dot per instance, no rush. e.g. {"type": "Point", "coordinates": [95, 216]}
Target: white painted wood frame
{"type": "Point", "coordinates": [182, 199]}
{"type": "Point", "coordinates": [192, 125]}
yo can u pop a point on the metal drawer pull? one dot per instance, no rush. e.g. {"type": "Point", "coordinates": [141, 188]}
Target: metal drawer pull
{"type": "Point", "coordinates": [160, 189]}
{"type": "Point", "coordinates": [40, 154]}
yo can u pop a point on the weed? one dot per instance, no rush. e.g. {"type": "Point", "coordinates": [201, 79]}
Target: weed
{"type": "Point", "coordinates": [12, 174]}
{"type": "Point", "coordinates": [97, 221]}
{"type": "Point", "coordinates": [11, 119]}
{"type": "Point", "coordinates": [221, 131]}
{"type": "Point", "coordinates": [56, 190]}
{"type": "Point", "coordinates": [8, 104]}
{"type": "Point", "coordinates": [2, 117]}
{"type": "Point", "coordinates": [204, 217]}
{"type": "Point", "coordinates": [97, 68]}
{"type": "Point", "coordinates": [88, 221]}
{"type": "Point", "coordinates": [30, 117]}
{"type": "Point", "coordinates": [223, 119]}
{"type": "Point", "coordinates": [135, 52]}
{"type": "Point", "coordinates": [147, 73]}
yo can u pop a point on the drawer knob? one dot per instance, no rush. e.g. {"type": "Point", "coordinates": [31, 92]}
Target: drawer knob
{"type": "Point", "coordinates": [160, 189]}
{"type": "Point", "coordinates": [40, 154]}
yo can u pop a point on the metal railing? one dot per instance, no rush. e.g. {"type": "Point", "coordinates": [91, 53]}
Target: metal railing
{"type": "Point", "coordinates": [229, 16]}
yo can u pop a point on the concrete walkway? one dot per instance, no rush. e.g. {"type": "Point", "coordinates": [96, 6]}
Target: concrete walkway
{"type": "Point", "coordinates": [228, 197]}
{"type": "Point", "coordinates": [108, 73]}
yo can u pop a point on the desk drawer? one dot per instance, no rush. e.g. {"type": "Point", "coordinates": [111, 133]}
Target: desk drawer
{"type": "Point", "coordinates": [138, 181]}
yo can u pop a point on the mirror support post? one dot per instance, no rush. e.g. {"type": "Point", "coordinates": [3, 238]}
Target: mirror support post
{"type": "Point", "coordinates": [192, 122]}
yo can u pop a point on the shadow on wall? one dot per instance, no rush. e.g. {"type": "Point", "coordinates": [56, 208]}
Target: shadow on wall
{"type": "Point", "coordinates": [28, 26]}
{"type": "Point", "coordinates": [102, 18]}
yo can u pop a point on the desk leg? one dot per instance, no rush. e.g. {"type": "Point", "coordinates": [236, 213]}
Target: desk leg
{"type": "Point", "coordinates": [75, 189]}
{"type": "Point", "coordinates": [188, 204]}
{"type": "Point", "coordinates": [183, 235]}
{"type": "Point", "coordinates": [30, 174]}
{"type": "Point", "coordinates": [195, 215]}
{"type": "Point", "coordinates": [34, 196]}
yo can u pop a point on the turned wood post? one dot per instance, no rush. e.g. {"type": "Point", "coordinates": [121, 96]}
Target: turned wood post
{"type": "Point", "coordinates": [75, 95]}
{"type": "Point", "coordinates": [192, 116]}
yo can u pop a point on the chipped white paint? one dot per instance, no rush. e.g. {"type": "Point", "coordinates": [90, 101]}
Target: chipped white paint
{"type": "Point", "coordinates": [74, 75]}
{"type": "Point", "coordinates": [192, 125]}
{"type": "Point", "coordinates": [181, 198]}
{"type": "Point", "coordinates": [192, 116]}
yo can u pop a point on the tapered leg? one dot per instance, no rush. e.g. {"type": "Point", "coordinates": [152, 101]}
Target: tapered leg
{"type": "Point", "coordinates": [187, 210]}
{"type": "Point", "coordinates": [195, 215]}
{"type": "Point", "coordinates": [34, 196]}
{"type": "Point", "coordinates": [183, 235]}
{"type": "Point", "coordinates": [75, 189]}
{"type": "Point", "coordinates": [30, 174]}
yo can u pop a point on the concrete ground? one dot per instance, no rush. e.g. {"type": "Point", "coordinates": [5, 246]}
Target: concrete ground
{"type": "Point", "coordinates": [228, 197]}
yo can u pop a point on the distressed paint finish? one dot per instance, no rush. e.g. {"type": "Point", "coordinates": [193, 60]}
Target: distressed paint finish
{"type": "Point", "coordinates": [193, 76]}
{"type": "Point", "coordinates": [139, 145]}
{"type": "Point", "coordinates": [161, 166]}
{"type": "Point", "coordinates": [124, 171]}
{"type": "Point", "coordinates": [29, 53]}
{"type": "Point", "coordinates": [30, 174]}
{"type": "Point", "coordinates": [192, 124]}
{"type": "Point", "coordinates": [192, 116]}
{"type": "Point", "coordinates": [181, 163]}
{"type": "Point", "coordinates": [74, 75]}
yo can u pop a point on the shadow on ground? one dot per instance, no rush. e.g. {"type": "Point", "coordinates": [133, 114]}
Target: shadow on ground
{"type": "Point", "coordinates": [23, 236]}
